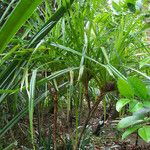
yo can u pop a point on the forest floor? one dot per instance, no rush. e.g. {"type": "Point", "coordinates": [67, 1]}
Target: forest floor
{"type": "Point", "coordinates": [108, 139]}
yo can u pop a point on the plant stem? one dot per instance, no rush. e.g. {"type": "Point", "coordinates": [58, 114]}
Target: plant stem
{"type": "Point", "coordinates": [99, 99]}
{"type": "Point", "coordinates": [55, 100]}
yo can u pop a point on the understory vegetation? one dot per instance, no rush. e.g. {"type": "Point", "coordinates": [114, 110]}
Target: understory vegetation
{"type": "Point", "coordinates": [74, 74]}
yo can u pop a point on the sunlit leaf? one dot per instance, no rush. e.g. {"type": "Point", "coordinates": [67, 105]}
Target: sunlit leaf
{"type": "Point", "coordinates": [144, 133]}
{"type": "Point", "coordinates": [17, 18]}
{"type": "Point", "coordinates": [121, 103]}
{"type": "Point", "coordinates": [128, 121]}
{"type": "Point", "coordinates": [139, 87]}
{"type": "Point", "coordinates": [135, 105]}
{"type": "Point", "coordinates": [130, 131]}
{"type": "Point", "coordinates": [125, 89]}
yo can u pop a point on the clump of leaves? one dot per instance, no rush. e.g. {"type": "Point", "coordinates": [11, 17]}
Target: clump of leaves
{"type": "Point", "coordinates": [136, 95]}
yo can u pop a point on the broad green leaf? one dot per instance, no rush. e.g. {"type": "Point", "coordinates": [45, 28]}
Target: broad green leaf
{"type": "Point", "coordinates": [8, 55]}
{"type": "Point", "coordinates": [146, 104]}
{"type": "Point", "coordinates": [128, 121]}
{"type": "Point", "coordinates": [135, 106]}
{"type": "Point", "coordinates": [131, 1]}
{"type": "Point", "coordinates": [17, 18]}
{"type": "Point", "coordinates": [121, 103]}
{"type": "Point", "coordinates": [142, 112]}
{"type": "Point", "coordinates": [125, 89]}
{"type": "Point", "coordinates": [139, 87]}
{"type": "Point", "coordinates": [148, 89]}
{"type": "Point", "coordinates": [7, 91]}
{"type": "Point", "coordinates": [130, 131]}
{"type": "Point", "coordinates": [144, 133]}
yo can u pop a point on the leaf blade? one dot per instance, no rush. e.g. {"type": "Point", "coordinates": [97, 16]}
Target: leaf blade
{"type": "Point", "coordinates": [121, 103]}
{"type": "Point", "coordinates": [17, 18]}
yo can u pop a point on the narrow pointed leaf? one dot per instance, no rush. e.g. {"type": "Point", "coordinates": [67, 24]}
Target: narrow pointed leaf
{"type": "Point", "coordinates": [31, 101]}
{"type": "Point", "coordinates": [21, 114]}
{"type": "Point", "coordinates": [48, 25]}
{"type": "Point", "coordinates": [17, 18]}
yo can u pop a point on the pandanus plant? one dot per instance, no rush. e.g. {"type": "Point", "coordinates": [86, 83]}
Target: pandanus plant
{"type": "Point", "coordinates": [16, 69]}
{"type": "Point", "coordinates": [52, 52]}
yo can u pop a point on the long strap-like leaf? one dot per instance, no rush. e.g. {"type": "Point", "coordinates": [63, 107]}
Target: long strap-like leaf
{"type": "Point", "coordinates": [39, 36]}
{"type": "Point", "coordinates": [48, 26]}
{"type": "Point", "coordinates": [20, 115]}
{"type": "Point", "coordinates": [17, 18]}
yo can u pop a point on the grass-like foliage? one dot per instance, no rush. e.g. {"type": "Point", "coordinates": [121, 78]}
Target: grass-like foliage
{"type": "Point", "coordinates": [65, 56]}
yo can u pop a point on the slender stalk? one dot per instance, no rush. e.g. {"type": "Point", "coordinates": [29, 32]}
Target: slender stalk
{"type": "Point", "coordinates": [105, 109]}
{"type": "Point", "coordinates": [108, 87]}
{"type": "Point", "coordinates": [55, 101]}
{"type": "Point", "coordinates": [87, 94]}
{"type": "Point", "coordinates": [93, 109]}
{"type": "Point", "coordinates": [39, 123]}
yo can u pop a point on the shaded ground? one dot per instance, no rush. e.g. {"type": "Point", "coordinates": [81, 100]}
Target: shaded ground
{"type": "Point", "coordinates": [109, 138]}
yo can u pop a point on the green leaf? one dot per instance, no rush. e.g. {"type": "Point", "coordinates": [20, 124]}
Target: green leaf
{"type": "Point", "coordinates": [105, 54]}
{"type": "Point", "coordinates": [31, 101]}
{"type": "Point", "coordinates": [131, 7]}
{"type": "Point", "coordinates": [8, 74]}
{"type": "Point", "coordinates": [135, 106]}
{"type": "Point", "coordinates": [121, 103]}
{"type": "Point", "coordinates": [17, 18]}
{"type": "Point", "coordinates": [144, 133]}
{"type": "Point", "coordinates": [125, 89]}
{"type": "Point", "coordinates": [140, 73]}
{"type": "Point", "coordinates": [116, 6]}
{"type": "Point", "coordinates": [128, 121]}
{"type": "Point", "coordinates": [139, 87]}
{"type": "Point", "coordinates": [148, 89]}
{"type": "Point", "coordinates": [21, 114]}
{"type": "Point", "coordinates": [142, 112]}
{"type": "Point", "coordinates": [131, 1]}
{"type": "Point", "coordinates": [48, 25]}
{"type": "Point", "coordinates": [145, 61]}
{"type": "Point", "coordinates": [146, 104]}
{"type": "Point", "coordinates": [6, 11]}
{"type": "Point", "coordinates": [130, 131]}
